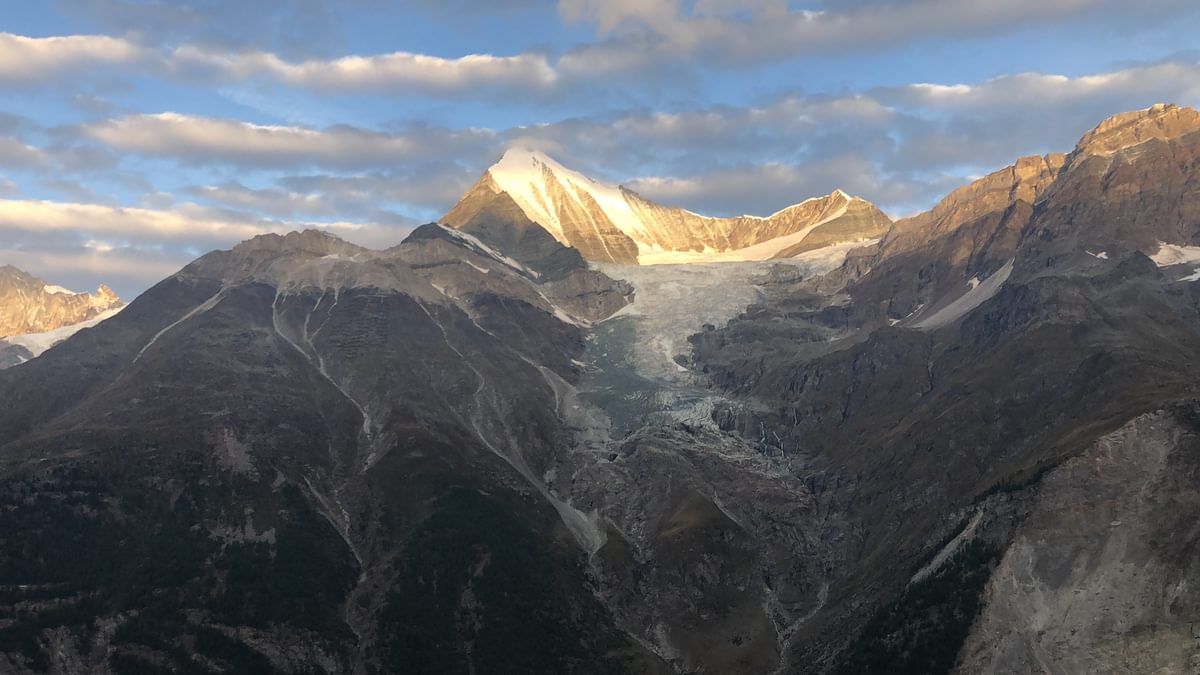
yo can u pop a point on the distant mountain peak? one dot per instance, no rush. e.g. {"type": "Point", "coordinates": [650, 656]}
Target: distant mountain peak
{"type": "Point", "coordinates": [609, 223]}
{"type": "Point", "coordinates": [31, 306]}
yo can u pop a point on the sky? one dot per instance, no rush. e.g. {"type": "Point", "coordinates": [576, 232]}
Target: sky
{"type": "Point", "coordinates": [136, 135]}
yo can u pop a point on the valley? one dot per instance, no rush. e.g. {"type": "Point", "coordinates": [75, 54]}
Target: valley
{"type": "Point", "coordinates": [961, 442]}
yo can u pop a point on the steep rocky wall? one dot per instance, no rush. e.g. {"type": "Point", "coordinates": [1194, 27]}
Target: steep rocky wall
{"type": "Point", "coordinates": [1101, 576]}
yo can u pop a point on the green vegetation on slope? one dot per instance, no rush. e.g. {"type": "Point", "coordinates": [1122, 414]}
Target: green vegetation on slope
{"type": "Point", "coordinates": [478, 587]}
{"type": "Point", "coordinates": [922, 630]}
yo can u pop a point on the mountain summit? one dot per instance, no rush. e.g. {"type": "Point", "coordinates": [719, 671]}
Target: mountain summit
{"type": "Point", "coordinates": [609, 223]}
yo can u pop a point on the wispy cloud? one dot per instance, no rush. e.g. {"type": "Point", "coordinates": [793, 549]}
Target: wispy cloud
{"type": "Point", "coordinates": [185, 223]}
{"type": "Point", "coordinates": [394, 72]}
{"type": "Point", "coordinates": [190, 138]}
{"type": "Point", "coordinates": [637, 32]}
{"type": "Point", "coordinates": [27, 60]}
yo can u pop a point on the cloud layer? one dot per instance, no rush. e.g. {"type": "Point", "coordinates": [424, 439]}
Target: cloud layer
{"type": "Point", "coordinates": [162, 130]}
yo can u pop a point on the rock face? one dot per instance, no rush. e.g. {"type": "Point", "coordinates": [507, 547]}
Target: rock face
{"type": "Point", "coordinates": [612, 224]}
{"type": "Point", "coordinates": [1099, 571]}
{"type": "Point", "coordinates": [30, 305]}
{"type": "Point", "coordinates": [1145, 165]}
{"type": "Point", "coordinates": [929, 260]}
{"type": "Point", "coordinates": [35, 316]}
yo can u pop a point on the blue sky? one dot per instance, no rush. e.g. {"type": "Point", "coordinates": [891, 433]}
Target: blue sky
{"type": "Point", "coordinates": [136, 135]}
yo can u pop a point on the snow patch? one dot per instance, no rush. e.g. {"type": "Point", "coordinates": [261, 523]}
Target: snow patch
{"type": "Point", "coordinates": [1102, 255]}
{"type": "Point", "coordinates": [761, 251]}
{"type": "Point", "coordinates": [968, 301]}
{"type": "Point", "coordinates": [478, 244]}
{"type": "Point", "coordinates": [58, 290]}
{"type": "Point", "coordinates": [950, 549]}
{"type": "Point", "coordinates": [37, 343]}
{"type": "Point", "coordinates": [1173, 254]}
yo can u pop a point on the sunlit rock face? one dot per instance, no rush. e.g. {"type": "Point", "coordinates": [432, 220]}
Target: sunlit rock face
{"type": "Point", "coordinates": [608, 223]}
{"type": "Point", "coordinates": [31, 305]}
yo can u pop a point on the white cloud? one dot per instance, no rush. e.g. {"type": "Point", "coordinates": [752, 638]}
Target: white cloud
{"type": "Point", "coordinates": [640, 32]}
{"type": "Point", "coordinates": [205, 139]}
{"type": "Point", "coordinates": [271, 201]}
{"type": "Point", "coordinates": [395, 71]}
{"type": "Point", "coordinates": [1177, 81]}
{"type": "Point", "coordinates": [33, 60]}
{"type": "Point", "coordinates": [186, 223]}
{"type": "Point", "coordinates": [83, 244]}
{"type": "Point", "coordinates": [127, 270]}
{"type": "Point", "coordinates": [18, 155]}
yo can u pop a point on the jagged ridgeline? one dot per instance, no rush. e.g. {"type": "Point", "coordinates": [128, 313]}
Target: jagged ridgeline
{"type": "Point", "coordinates": [519, 442]}
{"type": "Point", "coordinates": [36, 315]}
{"type": "Point", "coordinates": [608, 223]}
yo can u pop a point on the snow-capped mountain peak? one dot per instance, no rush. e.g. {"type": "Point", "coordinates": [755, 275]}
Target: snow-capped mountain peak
{"type": "Point", "coordinates": [608, 223]}
{"type": "Point", "coordinates": [536, 182]}
{"type": "Point", "coordinates": [31, 305]}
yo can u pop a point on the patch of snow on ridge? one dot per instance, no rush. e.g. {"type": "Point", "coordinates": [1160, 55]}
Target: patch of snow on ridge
{"type": "Point", "coordinates": [1173, 254]}
{"type": "Point", "coordinates": [488, 250]}
{"type": "Point", "coordinates": [766, 250]}
{"type": "Point", "coordinates": [58, 290]}
{"type": "Point", "coordinates": [37, 343]}
{"type": "Point", "coordinates": [967, 301]}
{"type": "Point", "coordinates": [1102, 255]}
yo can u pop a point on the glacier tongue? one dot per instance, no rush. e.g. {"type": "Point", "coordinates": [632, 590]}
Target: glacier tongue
{"type": "Point", "coordinates": [673, 302]}
{"type": "Point", "coordinates": [635, 349]}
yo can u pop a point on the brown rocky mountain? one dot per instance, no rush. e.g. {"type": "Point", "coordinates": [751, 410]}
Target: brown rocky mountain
{"type": "Point", "coordinates": [1012, 367]}
{"type": "Point", "coordinates": [30, 305]}
{"type": "Point", "coordinates": [970, 447]}
{"type": "Point", "coordinates": [980, 227]}
{"type": "Point", "coordinates": [612, 224]}
{"type": "Point", "coordinates": [35, 315]}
